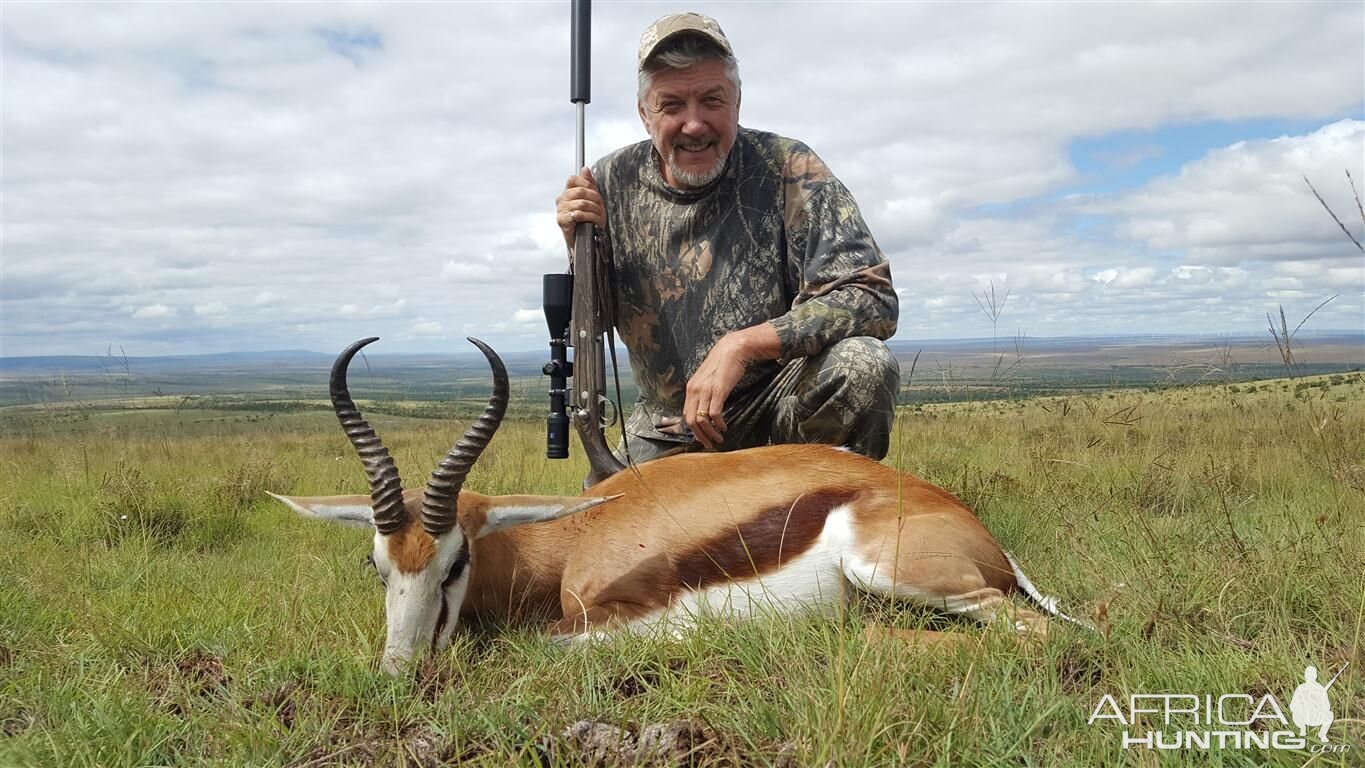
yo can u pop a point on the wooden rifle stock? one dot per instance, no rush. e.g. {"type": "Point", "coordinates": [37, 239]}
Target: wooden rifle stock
{"type": "Point", "coordinates": [589, 322]}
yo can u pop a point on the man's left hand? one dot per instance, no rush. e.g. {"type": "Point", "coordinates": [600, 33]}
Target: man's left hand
{"type": "Point", "coordinates": [716, 377]}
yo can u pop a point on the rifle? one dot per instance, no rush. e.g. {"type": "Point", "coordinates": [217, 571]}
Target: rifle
{"type": "Point", "coordinates": [576, 308]}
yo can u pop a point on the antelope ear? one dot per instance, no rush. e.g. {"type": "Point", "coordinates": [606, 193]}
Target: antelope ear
{"type": "Point", "coordinates": [511, 511]}
{"type": "Point", "coordinates": [354, 511]}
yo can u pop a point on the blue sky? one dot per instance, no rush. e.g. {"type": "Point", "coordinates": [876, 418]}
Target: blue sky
{"type": "Point", "coordinates": [205, 177]}
{"type": "Point", "coordinates": [1126, 159]}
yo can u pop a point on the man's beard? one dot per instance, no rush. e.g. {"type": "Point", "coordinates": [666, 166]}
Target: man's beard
{"type": "Point", "coordinates": [693, 179]}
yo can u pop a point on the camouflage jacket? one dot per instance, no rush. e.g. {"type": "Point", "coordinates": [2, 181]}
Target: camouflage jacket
{"type": "Point", "coordinates": [776, 238]}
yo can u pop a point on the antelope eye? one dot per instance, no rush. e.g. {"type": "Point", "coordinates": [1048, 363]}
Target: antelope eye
{"type": "Point", "coordinates": [457, 568]}
{"type": "Point", "coordinates": [370, 559]}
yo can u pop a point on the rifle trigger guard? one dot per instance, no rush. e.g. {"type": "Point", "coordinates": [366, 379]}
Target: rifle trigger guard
{"type": "Point", "coordinates": [607, 409]}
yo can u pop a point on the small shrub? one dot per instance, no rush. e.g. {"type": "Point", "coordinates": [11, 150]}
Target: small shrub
{"type": "Point", "coordinates": [246, 485]}
{"type": "Point", "coordinates": [217, 523]}
{"type": "Point", "coordinates": [32, 521]}
{"type": "Point", "coordinates": [130, 507]}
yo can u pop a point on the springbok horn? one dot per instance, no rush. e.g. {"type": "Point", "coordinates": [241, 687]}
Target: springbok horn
{"type": "Point", "coordinates": [386, 489]}
{"type": "Point", "coordinates": [443, 489]}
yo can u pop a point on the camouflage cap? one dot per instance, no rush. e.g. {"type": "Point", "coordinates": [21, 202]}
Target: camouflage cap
{"type": "Point", "coordinates": [676, 24]}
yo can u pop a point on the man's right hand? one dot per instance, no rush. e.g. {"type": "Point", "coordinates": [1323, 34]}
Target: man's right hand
{"type": "Point", "coordinates": [579, 203]}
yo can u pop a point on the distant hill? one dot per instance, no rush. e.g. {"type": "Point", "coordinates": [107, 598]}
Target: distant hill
{"type": "Point", "coordinates": [994, 367]}
{"type": "Point", "coordinates": [1102, 345]}
{"type": "Point", "coordinates": [239, 362]}
{"type": "Point", "coordinates": [1341, 338]}
{"type": "Point", "coordinates": [118, 364]}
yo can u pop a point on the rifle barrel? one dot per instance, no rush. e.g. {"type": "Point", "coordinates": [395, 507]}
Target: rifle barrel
{"type": "Point", "coordinates": [580, 70]}
{"type": "Point", "coordinates": [579, 147]}
{"type": "Point", "coordinates": [580, 53]}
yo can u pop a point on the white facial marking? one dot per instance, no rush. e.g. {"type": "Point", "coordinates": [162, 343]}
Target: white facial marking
{"type": "Point", "coordinates": [413, 602]}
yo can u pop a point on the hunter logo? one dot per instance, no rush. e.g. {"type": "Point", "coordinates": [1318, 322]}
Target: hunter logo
{"type": "Point", "coordinates": [1310, 707]}
{"type": "Point", "coordinates": [1171, 721]}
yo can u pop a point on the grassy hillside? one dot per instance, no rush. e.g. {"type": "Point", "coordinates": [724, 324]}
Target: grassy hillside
{"type": "Point", "coordinates": [159, 609]}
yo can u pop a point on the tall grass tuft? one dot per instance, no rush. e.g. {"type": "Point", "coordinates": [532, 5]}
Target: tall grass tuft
{"type": "Point", "coordinates": [131, 508]}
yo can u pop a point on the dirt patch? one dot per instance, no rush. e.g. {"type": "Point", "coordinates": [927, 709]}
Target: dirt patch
{"type": "Point", "coordinates": [436, 676]}
{"type": "Point", "coordinates": [634, 683]}
{"type": "Point", "coordinates": [284, 700]}
{"type": "Point", "coordinates": [359, 751]}
{"type": "Point", "coordinates": [425, 748]}
{"type": "Point", "coordinates": [644, 678]}
{"type": "Point", "coordinates": [1078, 671]}
{"type": "Point", "coordinates": [203, 673]}
{"type": "Point", "coordinates": [674, 743]}
{"type": "Point", "coordinates": [196, 675]}
{"type": "Point", "coordinates": [15, 722]}
{"type": "Point", "coordinates": [784, 756]}
{"type": "Point", "coordinates": [350, 741]}
{"type": "Point", "coordinates": [420, 747]}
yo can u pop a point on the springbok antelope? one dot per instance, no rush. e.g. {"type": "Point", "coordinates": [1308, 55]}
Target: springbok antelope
{"type": "Point", "coordinates": [655, 546]}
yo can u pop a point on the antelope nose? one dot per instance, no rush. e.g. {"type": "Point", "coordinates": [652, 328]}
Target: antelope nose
{"type": "Point", "coordinates": [392, 663]}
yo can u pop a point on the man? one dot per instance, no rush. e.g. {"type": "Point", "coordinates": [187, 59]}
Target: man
{"type": "Point", "coordinates": [749, 291]}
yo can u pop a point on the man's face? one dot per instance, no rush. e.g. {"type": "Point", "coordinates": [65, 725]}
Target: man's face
{"type": "Point", "coordinates": [692, 116]}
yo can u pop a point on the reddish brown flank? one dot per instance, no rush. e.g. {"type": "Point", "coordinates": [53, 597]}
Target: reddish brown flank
{"type": "Point", "coordinates": [760, 545]}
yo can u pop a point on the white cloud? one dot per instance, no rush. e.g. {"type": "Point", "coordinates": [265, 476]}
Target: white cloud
{"type": "Point", "coordinates": [466, 272]}
{"type": "Point", "coordinates": [528, 316]}
{"type": "Point", "coordinates": [1127, 278]}
{"type": "Point", "coordinates": [216, 156]}
{"type": "Point", "coordinates": [155, 312]}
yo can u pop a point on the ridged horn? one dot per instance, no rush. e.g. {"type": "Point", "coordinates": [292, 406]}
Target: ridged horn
{"type": "Point", "coordinates": [439, 501]}
{"type": "Point", "coordinates": [386, 489]}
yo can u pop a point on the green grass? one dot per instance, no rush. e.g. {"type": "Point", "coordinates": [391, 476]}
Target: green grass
{"type": "Point", "coordinates": [158, 609]}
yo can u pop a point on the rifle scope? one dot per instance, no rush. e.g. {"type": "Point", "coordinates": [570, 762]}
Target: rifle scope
{"type": "Point", "coordinates": [558, 301]}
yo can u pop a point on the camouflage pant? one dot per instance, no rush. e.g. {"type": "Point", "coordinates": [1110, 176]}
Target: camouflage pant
{"type": "Point", "coordinates": [846, 395]}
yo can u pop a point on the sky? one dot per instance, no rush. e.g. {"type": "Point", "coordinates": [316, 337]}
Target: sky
{"type": "Point", "coordinates": [182, 178]}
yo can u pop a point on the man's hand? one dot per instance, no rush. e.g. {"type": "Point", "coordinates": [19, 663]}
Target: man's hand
{"type": "Point", "coordinates": [579, 203]}
{"type": "Point", "coordinates": [715, 379]}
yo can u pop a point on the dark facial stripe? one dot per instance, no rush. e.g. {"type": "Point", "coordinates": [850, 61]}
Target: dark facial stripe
{"type": "Point", "coordinates": [763, 543]}
{"type": "Point", "coordinates": [457, 569]}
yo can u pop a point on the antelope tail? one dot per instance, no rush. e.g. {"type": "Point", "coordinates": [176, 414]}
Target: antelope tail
{"type": "Point", "coordinates": [1048, 603]}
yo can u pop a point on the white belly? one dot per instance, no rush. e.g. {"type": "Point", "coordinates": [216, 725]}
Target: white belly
{"type": "Point", "coordinates": [813, 580]}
